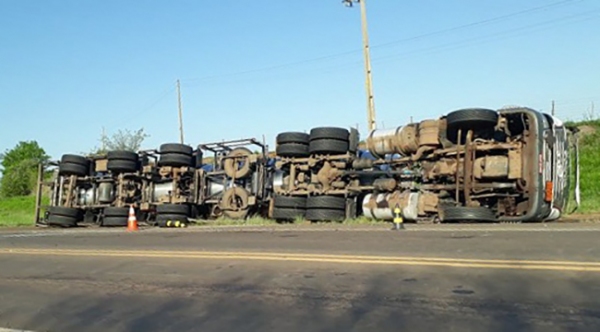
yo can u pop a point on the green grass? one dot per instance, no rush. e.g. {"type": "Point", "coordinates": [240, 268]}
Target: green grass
{"type": "Point", "coordinates": [260, 221]}
{"type": "Point", "coordinates": [254, 221]}
{"type": "Point", "coordinates": [589, 148]}
{"type": "Point", "coordinates": [18, 211]}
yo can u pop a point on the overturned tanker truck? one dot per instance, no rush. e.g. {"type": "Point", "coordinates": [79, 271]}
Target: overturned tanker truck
{"type": "Point", "coordinates": [472, 165]}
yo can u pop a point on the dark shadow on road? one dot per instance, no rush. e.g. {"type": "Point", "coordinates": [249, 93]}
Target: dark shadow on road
{"type": "Point", "coordinates": [317, 299]}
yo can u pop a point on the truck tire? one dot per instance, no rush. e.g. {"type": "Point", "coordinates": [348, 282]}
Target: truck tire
{"type": "Point", "coordinates": [116, 212]}
{"type": "Point", "coordinates": [325, 215]}
{"type": "Point", "coordinates": [326, 202]}
{"type": "Point", "coordinates": [175, 160]}
{"type": "Point", "coordinates": [234, 203]}
{"type": "Point", "coordinates": [176, 148]}
{"type": "Point", "coordinates": [182, 209]}
{"type": "Point", "coordinates": [480, 120]}
{"type": "Point", "coordinates": [75, 159]}
{"type": "Point", "coordinates": [122, 166]}
{"type": "Point", "coordinates": [353, 141]}
{"type": "Point", "coordinates": [293, 137]}
{"type": "Point", "coordinates": [292, 150]}
{"type": "Point", "coordinates": [238, 167]}
{"type": "Point", "coordinates": [72, 169]}
{"type": "Point", "coordinates": [114, 221]}
{"type": "Point", "coordinates": [61, 221]}
{"type": "Point", "coordinates": [468, 214]}
{"type": "Point", "coordinates": [64, 211]}
{"type": "Point", "coordinates": [284, 214]}
{"type": "Point", "coordinates": [335, 133]}
{"type": "Point", "coordinates": [289, 202]}
{"type": "Point", "coordinates": [328, 147]}
{"type": "Point", "coordinates": [169, 220]}
{"type": "Point", "coordinates": [122, 155]}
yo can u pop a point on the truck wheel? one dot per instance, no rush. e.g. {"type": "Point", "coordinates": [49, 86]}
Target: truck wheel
{"type": "Point", "coordinates": [175, 160]}
{"type": "Point", "coordinates": [340, 134]}
{"type": "Point", "coordinates": [64, 211]}
{"type": "Point", "coordinates": [237, 164]}
{"type": "Point", "coordinates": [116, 212]}
{"type": "Point", "coordinates": [75, 159]}
{"type": "Point", "coordinates": [353, 140]}
{"type": "Point", "coordinates": [121, 166]}
{"type": "Point", "coordinates": [114, 221]}
{"type": "Point", "coordinates": [328, 146]}
{"type": "Point", "coordinates": [72, 169]}
{"type": "Point", "coordinates": [61, 221]}
{"type": "Point", "coordinates": [286, 214]}
{"type": "Point", "coordinates": [182, 209]}
{"type": "Point", "coordinates": [176, 148]}
{"type": "Point", "coordinates": [480, 120]}
{"type": "Point", "coordinates": [293, 137]}
{"type": "Point", "coordinates": [292, 150]}
{"type": "Point", "coordinates": [326, 202]}
{"type": "Point", "coordinates": [170, 220]}
{"type": "Point", "coordinates": [122, 155]}
{"type": "Point", "coordinates": [463, 213]}
{"type": "Point", "coordinates": [289, 202]}
{"type": "Point", "coordinates": [325, 215]}
{"type": "Point", "coordinates": [234, 203]}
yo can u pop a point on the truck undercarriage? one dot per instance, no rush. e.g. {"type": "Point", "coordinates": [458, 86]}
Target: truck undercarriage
{"type": "Point", "coordinates": [473, 165]}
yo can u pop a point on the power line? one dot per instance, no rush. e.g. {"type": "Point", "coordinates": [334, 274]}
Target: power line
{"type": "Point", "coordinates": [434, 33]}
{"type": "Point", "coordinates": [485, 38]}
{"type": "Point", "coordinates": [443, 47]}
{"type": "Point", "coordinates": [474, 24]}
{"type": "Point", "coordinates": [145, 109]}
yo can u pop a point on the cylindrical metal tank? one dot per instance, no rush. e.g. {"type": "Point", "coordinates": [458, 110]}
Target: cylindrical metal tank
{"type": "Point", "coordinates": [86, 196]}
{"type": "Point", "coordinates": [215, 188]}
{"type": "Point", "coordinates": [429, 133]}
{"type": "Point", "coordinates": [377, 207]}
{"type": "Point", "coordinates": [161, 190]}
{"type": "Point", "coordinates": [402, 140]}
{"type": "Point", "coordinates": [106, 193]}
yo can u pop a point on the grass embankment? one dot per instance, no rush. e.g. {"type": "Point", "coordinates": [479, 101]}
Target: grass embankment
{"type": "Point", "coordinates": [589, 148]}
{"type": "Point", "coordinates": [18, 211]}
{"type": "Point", "coordinates": [260, 221]}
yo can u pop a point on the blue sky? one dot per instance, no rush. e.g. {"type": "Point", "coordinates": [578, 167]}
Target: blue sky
{"type": "Point", "coordinates": [248, 69]}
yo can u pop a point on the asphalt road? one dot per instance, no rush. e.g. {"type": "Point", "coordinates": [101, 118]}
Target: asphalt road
{"type": "Point", "coordinates": [455, 278]}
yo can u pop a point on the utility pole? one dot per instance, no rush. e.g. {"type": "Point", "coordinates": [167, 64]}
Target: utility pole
{"type": "Point", "coordinates": [553, 112]}
{"type": "Point", "coordinates": [180, 111]}
{"type": "Point", "coordinates": [103, 139]}
{"type": "Point", "coordinates": [368, 79]}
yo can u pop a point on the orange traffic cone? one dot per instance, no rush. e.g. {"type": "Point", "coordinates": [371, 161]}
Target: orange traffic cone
{"type": "Point", "coordinates": [132, 221]}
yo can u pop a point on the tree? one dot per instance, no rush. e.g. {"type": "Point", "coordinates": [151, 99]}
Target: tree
{"type": "Point", "coordinates": [19, 168]}
{"type": "Point", "coordinates": [121, 140]}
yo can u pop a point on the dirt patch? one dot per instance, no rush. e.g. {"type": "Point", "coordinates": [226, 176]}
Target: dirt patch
{"type": "Point", "coordinates": [586, 130]}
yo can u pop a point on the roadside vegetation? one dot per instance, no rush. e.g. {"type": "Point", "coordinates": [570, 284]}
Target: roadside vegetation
{"type": "Point", "coordinates": [18, 211]}
{"type": "Point", "coordinates": [19, 167]}
{"type": "Point", "coordinates": [589, 147]}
